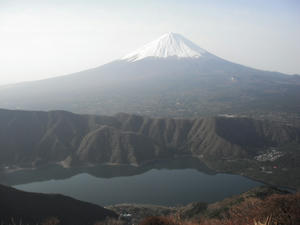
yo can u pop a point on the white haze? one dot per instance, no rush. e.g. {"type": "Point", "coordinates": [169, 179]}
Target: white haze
{"type": "Point", "coordinates": [41, 39]}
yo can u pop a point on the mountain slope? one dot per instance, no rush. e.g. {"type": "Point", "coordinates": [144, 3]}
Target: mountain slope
{"type": "Point", "coordinates": [168, 77]}
{"type": "Point", "coordinates": [34, 208]}
{"type": "Point", "coordinates": [124, 138]}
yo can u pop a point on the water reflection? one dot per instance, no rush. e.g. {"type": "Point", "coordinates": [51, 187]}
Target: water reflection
{"type": "Point", "coordinates": [168, 182]}
{"type": "Point", "coordinates": [56, 172]}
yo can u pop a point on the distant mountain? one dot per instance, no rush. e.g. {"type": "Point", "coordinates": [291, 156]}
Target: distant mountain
{"type": "Point", "coordinates": [170, 76]}
{"type": "Point", "coordinates": [19, 207]}
{"type": "Point", "coordinates": [76, 140]}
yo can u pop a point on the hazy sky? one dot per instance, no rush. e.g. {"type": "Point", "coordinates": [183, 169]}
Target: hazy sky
{"type": "Point", "coordinates": [44, 38]}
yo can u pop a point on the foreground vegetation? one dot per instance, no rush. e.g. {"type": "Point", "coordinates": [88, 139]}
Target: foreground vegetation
{"type": "Point", "coordinates": [259, 206]}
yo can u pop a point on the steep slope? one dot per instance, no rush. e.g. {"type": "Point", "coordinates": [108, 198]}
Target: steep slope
{"type": "Point", "coordinates": [58, 135]}
{"type": "Point", "coordinates": [183, 136]}
{"type": "Point", "coordinates": [172, 76]}
{"type": "Point", "coordinates": [215, 136]}
{"type": "Point", "coordinates": [118, 147]}
{"type": "Point", "coordinates": [258, 135]}
{"type": "Point", "coordinates": [32, 138]}
{"type": "Point", "coordinates": [33, 208]}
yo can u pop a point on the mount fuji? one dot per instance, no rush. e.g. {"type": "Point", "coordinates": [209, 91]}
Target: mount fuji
{"type": "Point", "coordinates": [170, 76]}
{"type": "Point", "coordinates": [168, 45]}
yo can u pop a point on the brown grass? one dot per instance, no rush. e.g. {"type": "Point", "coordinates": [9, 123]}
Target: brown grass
{"type": "Point", "coordinates": [274, 210]}
{"type": "Point", "coordinates": [111, 222]}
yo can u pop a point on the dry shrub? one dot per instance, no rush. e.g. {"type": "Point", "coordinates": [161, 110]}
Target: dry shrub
{"type": "Point", "coordinates": [51, 221]}
{"type": "Point", "coordinates": [273, 210]}
{"type": "Point", "coordinates": [110, 222]}
{"type": "Point", "coordinates": [284, 210]}
{"type": "Point", "coordinates": [266, 222]}
{"type": "Point", "coordinates": [159, 220]}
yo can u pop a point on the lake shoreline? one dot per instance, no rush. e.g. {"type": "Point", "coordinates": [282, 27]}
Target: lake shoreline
{"type": "Point", "coordinates": [211, 169]}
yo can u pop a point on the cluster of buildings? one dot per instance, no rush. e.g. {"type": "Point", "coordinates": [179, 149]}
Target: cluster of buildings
{"type": "Point", "coordinates": [270, 155]}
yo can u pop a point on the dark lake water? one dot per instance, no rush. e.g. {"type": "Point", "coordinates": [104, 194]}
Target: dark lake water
{"type": "Point", "coordinates": [166, 183]}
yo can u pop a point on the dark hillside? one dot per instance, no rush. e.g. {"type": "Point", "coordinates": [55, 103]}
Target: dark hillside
{"type": "Point", "coordinates": [34, 208]}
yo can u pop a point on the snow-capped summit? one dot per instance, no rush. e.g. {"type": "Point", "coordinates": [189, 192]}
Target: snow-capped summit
{"type": "Point", "coordinates": [170, 44]}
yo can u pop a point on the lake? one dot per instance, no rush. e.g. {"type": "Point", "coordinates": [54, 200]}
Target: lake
{"type": "Point", "coordinates": [166, 183]}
